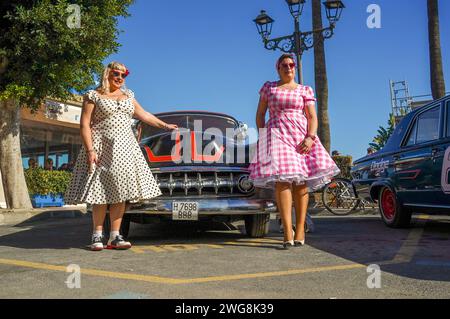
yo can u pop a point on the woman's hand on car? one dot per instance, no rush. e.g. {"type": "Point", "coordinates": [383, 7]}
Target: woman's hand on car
{"type": "Point", "coordinates": [170, 127]}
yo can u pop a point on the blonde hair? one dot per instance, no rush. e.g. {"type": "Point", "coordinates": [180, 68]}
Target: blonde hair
{"type": "Point", "coordinates": [104, 84]}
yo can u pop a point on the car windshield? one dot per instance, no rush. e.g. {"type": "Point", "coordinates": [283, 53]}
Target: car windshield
{"type": "Point", "coordinates": [189, 121]}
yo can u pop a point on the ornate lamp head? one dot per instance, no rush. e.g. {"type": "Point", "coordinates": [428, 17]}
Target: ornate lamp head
{"type": "Point", "coordinates": [296, 7]}
{"type": "Point", "coordinates": [334, 10]}
{"type": "Point", "coordinates": [264, 24]}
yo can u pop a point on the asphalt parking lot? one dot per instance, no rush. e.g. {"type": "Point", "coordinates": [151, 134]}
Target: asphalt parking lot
{"type": "Point", "coordinates": [180, 261]}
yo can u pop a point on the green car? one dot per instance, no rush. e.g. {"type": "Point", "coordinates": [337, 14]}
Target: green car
{"type": "Point", "coordinates": [411, 174]}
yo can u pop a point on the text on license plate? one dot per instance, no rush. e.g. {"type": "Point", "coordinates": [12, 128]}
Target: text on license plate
{"type": "Point", "coordinates": [185, 210]}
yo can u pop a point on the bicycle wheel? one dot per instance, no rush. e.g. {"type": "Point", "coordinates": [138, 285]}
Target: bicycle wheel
{"type": "Point", "coordinates": [339, 197]}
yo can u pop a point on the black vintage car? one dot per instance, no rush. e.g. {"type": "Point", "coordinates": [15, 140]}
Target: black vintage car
{"type": "Point", "coordinates": [412, 172]}
{"type": "Point", "coordinates": [202, 171]}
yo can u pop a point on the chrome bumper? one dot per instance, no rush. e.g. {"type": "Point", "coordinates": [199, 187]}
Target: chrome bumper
{"type": "Point", "coordinates": [208, 207]}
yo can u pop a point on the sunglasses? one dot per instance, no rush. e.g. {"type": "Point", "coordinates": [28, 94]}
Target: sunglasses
{"type": "Point", "coordinates": [119, 74]}
{"type": "Point", "coordinates": [288, 65]}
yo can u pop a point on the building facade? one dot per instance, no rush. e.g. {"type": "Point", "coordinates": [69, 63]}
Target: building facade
{"type": "Point", "coordinates": [53, 132]}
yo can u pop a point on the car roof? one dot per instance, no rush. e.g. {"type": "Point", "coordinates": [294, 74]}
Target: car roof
{"type": "Point", "coordinates": [195, 112]}
{"type": "Point", "coordinates": [420, 109]}
{"type": "Point", "coordinates": [400, 130]}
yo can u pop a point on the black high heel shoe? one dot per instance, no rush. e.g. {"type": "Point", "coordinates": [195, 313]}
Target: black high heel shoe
{"type": "Point", "coordinates": [288, 244]}
{"type": "Point", "coordinates": [299, 243]}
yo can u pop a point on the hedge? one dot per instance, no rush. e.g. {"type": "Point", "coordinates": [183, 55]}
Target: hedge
{"type": "Point", "coordinates": [43, 182]}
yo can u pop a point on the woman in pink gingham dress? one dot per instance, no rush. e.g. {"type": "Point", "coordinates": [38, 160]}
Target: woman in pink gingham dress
{"type": "Point", "coordinates": [290, 157]}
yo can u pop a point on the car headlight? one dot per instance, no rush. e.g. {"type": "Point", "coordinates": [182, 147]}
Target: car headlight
{"type": "Point", "coordinates": [245, 185]}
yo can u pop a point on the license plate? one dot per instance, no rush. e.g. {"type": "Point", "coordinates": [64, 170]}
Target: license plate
{"type": "Point", "coordinates": [185, 210]}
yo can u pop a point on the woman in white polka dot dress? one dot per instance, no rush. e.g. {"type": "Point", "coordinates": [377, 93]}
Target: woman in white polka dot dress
{"type": "Point", "coordinates": [111, 168]}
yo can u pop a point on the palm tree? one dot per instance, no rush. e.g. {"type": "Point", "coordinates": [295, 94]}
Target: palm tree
{"type": "Point", "coordinates": [436, 70]}
{"type": "Point", "coordinates": [383, 135]}
{"type": "Point", "coordinates": [321, 81]}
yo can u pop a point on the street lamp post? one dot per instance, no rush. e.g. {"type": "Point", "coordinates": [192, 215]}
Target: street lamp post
{"type": "Point", "coordinates": [299, 41]}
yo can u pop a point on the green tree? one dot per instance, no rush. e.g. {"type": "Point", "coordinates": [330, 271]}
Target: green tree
{"type": "Point", "coordinates": [42, 54]}
{"type": "Point", "coordinates": [384, 133]}
{"type": "Point", "coordinates": [434, 38]}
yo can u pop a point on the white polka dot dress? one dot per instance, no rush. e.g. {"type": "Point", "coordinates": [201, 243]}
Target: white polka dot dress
{"type": "Point", "coordinates": [122, 173]}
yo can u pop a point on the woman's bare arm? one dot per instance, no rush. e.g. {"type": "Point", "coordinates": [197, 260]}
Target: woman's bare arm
{"type": "Point", "coordinates": [146, 117]}
{"type": "Point", "coordinates": [311, 116]}
{"type": "Point", "coordinates": [85, 123]}
{"type": "Point", "coordinates": [86, 132]}
{"type": "Point", "coordinates": [261, 113]}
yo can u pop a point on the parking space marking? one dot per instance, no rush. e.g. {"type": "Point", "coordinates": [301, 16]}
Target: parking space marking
{"type": "Point", "coordinates": [212, 246]}
{"type": "Point", "coordinates": [247, 243]}
{"type": "Point", "coordinates": [273, 274]}
{"type": "Point", "coordinates": [174, 281]}
{"type": "Point", "coordinates": [180, 247]}
{"type": "Point", "coordinates": [92, 272]}
{"type": "Point", "coordinates": [141, 249]}
{"type": "Point", "coordinates": [409, 247]}
{"type": "Point", "coordinates": [404, 255]}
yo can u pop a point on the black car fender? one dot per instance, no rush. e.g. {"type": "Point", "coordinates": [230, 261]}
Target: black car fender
{"type": "Point", "coordinates": [376, 187]}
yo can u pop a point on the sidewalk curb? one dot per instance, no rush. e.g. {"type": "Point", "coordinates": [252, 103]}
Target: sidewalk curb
{"type": "Point", "coordinates": [13, 217]}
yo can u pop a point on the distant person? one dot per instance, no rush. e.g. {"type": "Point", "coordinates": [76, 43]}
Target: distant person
{"type": "Point", "coordinates": [298, 162]}
{"type": "Point", "coordinates": [335, 153]}
{"type": "Point", "coordinates": [70, 166]}
{"type": "Point", "coordinates": [32, 163]}
{"type": "Point", "coordinates": [63, 167]}
{"type": "Point", "coordinates": [49, 165]}
{"type": "Point", "coordinates": [370, 151]}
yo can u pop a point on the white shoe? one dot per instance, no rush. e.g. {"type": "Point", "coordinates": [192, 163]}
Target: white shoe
{"type": "Point", "coordinates": [118, 243]}
{"type": "Point", "coordinates": [97, 243]}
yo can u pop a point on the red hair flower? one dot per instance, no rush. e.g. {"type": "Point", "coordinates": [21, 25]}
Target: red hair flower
{"type": "Point", "coordinates": [127, 72]}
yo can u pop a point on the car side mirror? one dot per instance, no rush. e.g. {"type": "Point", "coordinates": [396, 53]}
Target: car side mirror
{"type": "Point", "coordinates": [242, 131]}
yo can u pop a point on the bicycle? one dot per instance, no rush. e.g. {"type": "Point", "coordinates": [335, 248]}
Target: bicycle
{"type": "Point", "coordinates": [339, 197]}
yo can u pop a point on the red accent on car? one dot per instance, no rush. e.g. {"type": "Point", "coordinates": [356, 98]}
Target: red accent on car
{"type": "Point", "coordinates": [388, 204]}
{"type": "Point", "coordinates": [165, 158]}
{"type": "Point", "coordinates": [409, 175]}
{"type": "Point", "coordinates": [195, 157]}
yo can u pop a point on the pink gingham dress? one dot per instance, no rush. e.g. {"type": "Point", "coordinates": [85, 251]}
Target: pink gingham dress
{"type": "Point", "coordinates": [276, 158]}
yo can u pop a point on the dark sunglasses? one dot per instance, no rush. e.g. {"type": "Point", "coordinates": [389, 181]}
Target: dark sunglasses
{"type": "Point", "coordinates": [117, 74]}
{"type": "Point", "coordinates": [290, 65]}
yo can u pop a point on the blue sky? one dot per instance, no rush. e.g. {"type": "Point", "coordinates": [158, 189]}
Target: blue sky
{"type": "Point", "coordinates": [207, 55]}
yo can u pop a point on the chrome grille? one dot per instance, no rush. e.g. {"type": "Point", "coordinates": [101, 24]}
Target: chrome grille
{"type": "Point", "coordinates": [217, 184]}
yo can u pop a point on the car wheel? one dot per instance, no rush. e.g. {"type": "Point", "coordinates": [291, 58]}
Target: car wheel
{"type": "Point", "coordinates": [124, 227]}
{"type": "Point", "coordinates": [393, 213]}
{"type": "Point", "coordinates": [257, 225]}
